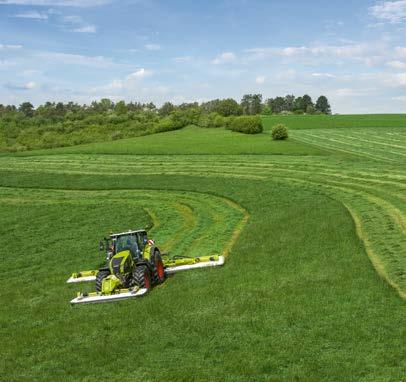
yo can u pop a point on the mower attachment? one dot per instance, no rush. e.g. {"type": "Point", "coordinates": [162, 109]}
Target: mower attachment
{"type": "Point", "coordinates": [178, 264]}
{"type": "Point", "coordinates": [98, 297]}
{"type": "Point", "coordinates": [82, 277]}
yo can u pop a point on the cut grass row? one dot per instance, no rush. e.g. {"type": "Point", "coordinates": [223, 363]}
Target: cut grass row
{"type": "Point", "coordinates": [376, 144]}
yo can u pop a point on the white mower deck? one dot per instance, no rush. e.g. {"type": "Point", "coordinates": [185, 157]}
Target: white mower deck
{"type": "Point", "coordinates": [99, 298]}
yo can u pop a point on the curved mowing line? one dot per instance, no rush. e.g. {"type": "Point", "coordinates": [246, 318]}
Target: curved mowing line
{"type": "Point", "coordinates": [375, 260]}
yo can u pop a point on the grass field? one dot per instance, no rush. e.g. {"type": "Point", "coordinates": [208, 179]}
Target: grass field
{"type": "Point", "coordinates": [310, 290]}
{"type": "Point", "coordinates": [301, 122]}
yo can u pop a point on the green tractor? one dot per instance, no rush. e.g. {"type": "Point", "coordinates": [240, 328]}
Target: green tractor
{"type": "Point", "coordinates": [133, 266]}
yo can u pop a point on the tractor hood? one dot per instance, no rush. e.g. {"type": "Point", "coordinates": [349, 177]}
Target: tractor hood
{"type": "Point", "coordinates": [121, 263]}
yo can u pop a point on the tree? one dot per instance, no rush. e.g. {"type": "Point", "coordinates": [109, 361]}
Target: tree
{"type": "Point", "coordinates": [251, 104]}
{"type": "Point", "coordinates": [256, 104]}
{"type": "Point", "coordinates": [120, 108]}
{"type": "Point", "coordinates": [60, 109]}
{"type": "Point", "coordinates": [227, 107]}
{"type": "Point", "coordinates": [166, 109]}
{"type": "Point", "coordinates": [306, 102]}
{"type": "Point", "coordinates": [27, 109]}
{"type": "Point", "coordinates": [150, 106]}
{"type": "Point", "coordinates": [322, 105]}
{"type": "Point", "coordinates": [310, 109]}
{"type": "Point", "coordinates": [289, 102]}
{"type": "Point", "coordinates": [298, 104]}
{"type": "Point", "coordinates": [278, 104]}
{"type": "Point", "coordinates": [246, 103]}
{"type": "Point", "coordinates": [106, 104]}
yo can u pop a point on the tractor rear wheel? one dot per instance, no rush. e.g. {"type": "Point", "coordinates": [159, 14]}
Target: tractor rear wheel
{"type": "Point", "coordinates": [158, 274]}
{"type": "Point", "coordinates": [141, 277]}
{"type": "Point", "coordinates": [101, 275]}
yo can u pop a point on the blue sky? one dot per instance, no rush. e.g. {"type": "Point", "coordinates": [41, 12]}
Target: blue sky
{"type": "Point", "coordinates": [354, 52]}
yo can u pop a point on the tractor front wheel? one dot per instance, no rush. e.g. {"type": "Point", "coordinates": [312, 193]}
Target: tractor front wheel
{"type": "Point", "coordinates": [101, 275]}
{"type": "Point", "coordinates": [141, 277]}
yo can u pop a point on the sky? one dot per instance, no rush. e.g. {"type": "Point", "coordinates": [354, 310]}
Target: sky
{"type": "Point", "coordinates": [354, 52]}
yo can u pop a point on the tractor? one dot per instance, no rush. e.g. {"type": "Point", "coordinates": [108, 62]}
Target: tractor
{"type": "Point", "coordinates": [133, 266]}
{"type": "Point", "coordinates": [132, 260]}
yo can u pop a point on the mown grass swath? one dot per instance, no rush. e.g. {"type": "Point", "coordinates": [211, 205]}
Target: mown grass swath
{"type": "Point", "coordinates": [298, 298]}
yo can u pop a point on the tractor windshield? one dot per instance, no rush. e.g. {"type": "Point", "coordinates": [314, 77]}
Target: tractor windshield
{"type": "Point", "coordinates": [127, 242]}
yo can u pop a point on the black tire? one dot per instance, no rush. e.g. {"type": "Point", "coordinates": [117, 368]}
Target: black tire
{"type": "Point", "coordinates": [99, 279]}
{"type": "Point", "coordinates": [141, 277]}
{"type": "Point", "coordinates": [158, 272]}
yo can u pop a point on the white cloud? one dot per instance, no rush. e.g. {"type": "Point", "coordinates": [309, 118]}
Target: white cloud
{"type": "Point", "coordinates": [397, 80]}
{"type": "Point", "coordinates": [10, 47]}
{"type": "Point", "coordinates": [32, 15]}
{"type": "Point", "coordinates": [400, 51]}
{"type": "Point", "coordinates": [129, 83]}
{"type": "Point", "coordinates": [74, 19]}
{"type": "Point", "coordinates": [27, 86]}
{"type": "Point", "coordinates": [57, 3]}
{"type": "Point", "coordinates": [260, 80]}
{"type": "Point", "coordinates": [30, 85]}
{"type": "Point", "coordinates": [345, 92]}
{"type": "Point", "coordinates": [78, 25]}
{"type": "Point", "coordinates": [152, 46]}
{"type": "Point", "coordinates": [400, 98]}
{"type": "Point", "coordinates": [224, 58]}
{"type": "Point", "coordinates": [140, 73]}
{"type": "Point", "coordinates": [77, 59]}
{"type": "Point", "coordinates": [397, 64]}
{"type": "Point", "coordinates": [371, 54]}
{"type": "Point", "coordinates": [323, 75]}
{"type": "Point", "coordinates": [6, 64]}
{"type": "Point", "coordinates": [182, 59]}
{"type": "Point", "coordinates": [30, 72]}
{"type": "Point", "coordinates": [351, 50]}
{"type": "Point", "coordinates": [393, 12]}
{"type": "Point", "coordinates": [85, 29]}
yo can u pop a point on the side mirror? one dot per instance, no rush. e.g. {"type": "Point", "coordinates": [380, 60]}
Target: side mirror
{"type": "Point", "coordinates": [101, 246]}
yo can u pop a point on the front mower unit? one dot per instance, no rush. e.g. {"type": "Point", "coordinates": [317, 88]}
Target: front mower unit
{"type": "Point", "coordinates": [98, 297]}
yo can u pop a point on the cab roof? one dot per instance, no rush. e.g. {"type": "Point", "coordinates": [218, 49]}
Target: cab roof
{"type": "Point", "coordinates": [129, 232]}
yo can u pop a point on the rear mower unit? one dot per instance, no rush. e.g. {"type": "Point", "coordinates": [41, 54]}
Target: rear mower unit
{"type": "Point", "coordinates": [133, 266]}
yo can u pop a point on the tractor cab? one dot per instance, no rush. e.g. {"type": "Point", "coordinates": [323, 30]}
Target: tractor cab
{"type": "Point", "coordinates": [133, 241]}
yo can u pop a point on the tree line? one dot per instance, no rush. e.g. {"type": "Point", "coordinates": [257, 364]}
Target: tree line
{"type": "Point", "coordinates": [55, 124]}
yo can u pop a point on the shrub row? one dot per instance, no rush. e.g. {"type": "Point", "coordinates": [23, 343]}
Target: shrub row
{"type": "Point", "coordinates": [245, 124]}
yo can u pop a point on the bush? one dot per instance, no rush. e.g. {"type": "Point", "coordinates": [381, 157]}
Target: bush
{"type": "Point", "coordinates": [279, 132]}
{"type": "Point", "coordinates": [211, 120]}
{"type": "Point", "coordinates": [246, 124]}
{"type": "Point", "coordinates": [173, 122]}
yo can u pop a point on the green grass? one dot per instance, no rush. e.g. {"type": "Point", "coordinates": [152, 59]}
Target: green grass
{"type": "Point", "coordinates": [302, 122]}
{"type": "Point", "coordinates": [310, 290]}
{"type": "Point", "coordinates": [190, 140]}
